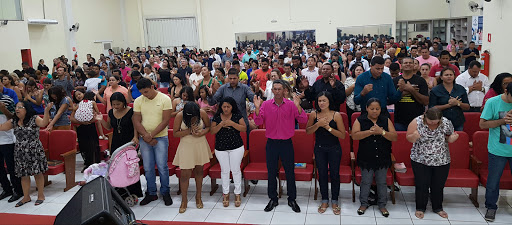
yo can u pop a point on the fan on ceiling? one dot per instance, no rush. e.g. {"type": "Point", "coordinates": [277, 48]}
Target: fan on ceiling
{"type": "Point", "coordinates": [473, 6]}
{"type": "Point", "coordinates": [74, 27]}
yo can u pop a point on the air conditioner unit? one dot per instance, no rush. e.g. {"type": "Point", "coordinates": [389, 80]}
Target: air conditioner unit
{"type": "Point", "coordinates": [41, 22]}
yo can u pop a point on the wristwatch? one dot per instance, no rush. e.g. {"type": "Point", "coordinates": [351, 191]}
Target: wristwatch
{"type": "Point", "coordinates": [383, 132]}
{"type": "Point", "coordinates": [330, 129]}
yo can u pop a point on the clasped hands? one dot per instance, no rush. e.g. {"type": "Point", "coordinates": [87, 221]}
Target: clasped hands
{"type": "Point", "coordinates": [376, 130]}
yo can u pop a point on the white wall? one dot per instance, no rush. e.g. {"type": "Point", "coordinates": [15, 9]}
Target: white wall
{"type": "Point", "coordinates": [415, 10]}
{"type": "Point", "coordinates": [497, 21]}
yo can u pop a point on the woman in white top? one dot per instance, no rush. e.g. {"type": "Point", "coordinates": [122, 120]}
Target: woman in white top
{"type": "Point", "coordinates": [148, 73]}
{"type": "Point", "coordinates": [350, 84]}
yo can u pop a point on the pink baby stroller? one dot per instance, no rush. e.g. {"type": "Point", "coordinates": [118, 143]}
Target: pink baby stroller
{"type": "Point", "coordinates": [124, 170]}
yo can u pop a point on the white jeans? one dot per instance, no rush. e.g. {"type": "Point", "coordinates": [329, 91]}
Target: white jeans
{"type": "Point", "coordinates": [229, 161]}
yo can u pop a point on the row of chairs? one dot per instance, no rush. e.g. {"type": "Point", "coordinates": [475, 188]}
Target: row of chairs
{"type": "Point", "coordinates": [466, 170]}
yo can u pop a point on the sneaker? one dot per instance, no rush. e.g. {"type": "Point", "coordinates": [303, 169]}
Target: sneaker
{"type": "Point", "coordinates": [149, 198]}
{"type": "Point", "coordinates": [167, 199]}
{"type": "Point", "coordinates": [490, 215]}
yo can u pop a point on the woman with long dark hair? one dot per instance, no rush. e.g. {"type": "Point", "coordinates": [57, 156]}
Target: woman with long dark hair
{"type": "Point", "coordinates": [120, 121]}
{"type": "Point", "coordinates": [60, 109]}
{"type": "Point", "coordinates": [34, 96]}
{"type": "Point", "coordinates": [29, 157]}
{"type": "Point", "coordinates": [177, 84]}
{"type": "Point", "coordinates": [186, 95]}
{"type": "Point", "coordinates": [229, 147]}
{"type": "Point", "coordinates": [327, 124]}
{"type": "Point", "coordinates": [497, 87]}
{"type": "Point", "coordinates": [191, 125]}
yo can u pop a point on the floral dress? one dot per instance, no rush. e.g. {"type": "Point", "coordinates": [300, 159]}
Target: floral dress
{"type": "Point", "coordinates": [29, 157]}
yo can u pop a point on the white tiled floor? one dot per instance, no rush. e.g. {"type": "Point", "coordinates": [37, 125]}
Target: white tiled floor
{"type": "Point", "coordinates": [456, 204]}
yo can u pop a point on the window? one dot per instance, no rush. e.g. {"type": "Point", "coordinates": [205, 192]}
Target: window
{"type": "Point", "coordinates": [10, 10]}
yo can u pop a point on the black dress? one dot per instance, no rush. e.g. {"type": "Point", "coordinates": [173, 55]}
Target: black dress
{"type": "Point", "coordinates": [375, 150]}
{"type": "Point", "coordinates": [122, 134]}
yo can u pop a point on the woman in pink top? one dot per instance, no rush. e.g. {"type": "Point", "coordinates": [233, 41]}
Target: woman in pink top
{"type": "Point", "coordinates": [497, 87]}
{"type": "Point", "coordinates": [113, 87]}
{"type": "Point", "coordinates": [203, 102]}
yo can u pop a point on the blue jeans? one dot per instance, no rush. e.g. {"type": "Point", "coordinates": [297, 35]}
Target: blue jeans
{"type": "Point", "coordinates": [156, 154]}
{"type": "Point", "coordinates": [492, 191]}
{"type": "Point", "coordinates": [163, 84]}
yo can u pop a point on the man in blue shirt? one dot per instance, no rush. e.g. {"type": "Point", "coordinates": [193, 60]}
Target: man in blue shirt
{"type": "Point", "coordinates": [8, 100]}
{"type": "Point", "coordinates": [376, 84]}
{"type": "Point", "coordinates": [132, 88]}
{"type": "Point", "coordinates": [248, 55]}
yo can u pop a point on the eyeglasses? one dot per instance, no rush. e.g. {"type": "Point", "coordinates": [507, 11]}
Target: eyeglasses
{"type": "Point", "coordinates": [20, 107]}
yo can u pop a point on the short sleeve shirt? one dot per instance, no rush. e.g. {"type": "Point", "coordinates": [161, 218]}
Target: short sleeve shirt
{"type": "Point", "coordinates": [152, 110]}
{"type": "Point", "coordinates": [228, 138]}
{"type": "Point", "coordinates": [500, 142]}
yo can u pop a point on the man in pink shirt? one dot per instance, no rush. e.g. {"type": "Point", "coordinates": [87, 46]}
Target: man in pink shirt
{"type": "Point", "coordinates": [427, 58]}
{"type": "Point", "coordinates": [279, 115]}
{"type": "Point", "coordinates": [124, 71]}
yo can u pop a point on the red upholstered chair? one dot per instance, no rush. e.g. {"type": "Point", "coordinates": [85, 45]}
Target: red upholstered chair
{"type": "Point", "coordinates": [62, 147]}
{"type": "Point", "coordinates": [344, 117]}
{"type": "Point", "coordinates": [402, 151]}
{"type": "Point", "coordinates": [206, 167]}
{"type": "Point", "coordinates": [215, 170]}
{"type": "Point", "coordinates": [171, 122]}
{"type": "Point", "coordinates": [356, 178]}
{"type": "Point", "coordinates": [102, 107]}
{"type": "Point", "coordinates": [472, 124]}
{"type": "Point", "coordinates": [343, 107]}
{"type": "Point", "coordinates": [480, 161]}
{"type": "Point", "coordinates": [460, 173]}
{"type": "Point", "coordinates": [303, 146]}
{"type": "Point", "coordinates": [256, 168]}
{"type": "Point", "coordinates": [163, 90]}
{"type": "Point", "coordinates": [44, 137]}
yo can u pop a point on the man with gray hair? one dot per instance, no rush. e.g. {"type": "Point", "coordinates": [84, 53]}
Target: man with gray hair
{"type": "Point", "coordinates": [196, 76]}
{"type": "Point", "coordinates": [216, 65]}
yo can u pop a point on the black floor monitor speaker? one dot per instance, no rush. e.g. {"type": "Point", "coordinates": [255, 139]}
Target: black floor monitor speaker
{"type": "Point", "coordinates": [96, 203]}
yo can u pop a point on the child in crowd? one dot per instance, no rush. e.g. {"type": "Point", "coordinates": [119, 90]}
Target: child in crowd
{"type": "Point", "coordinates": [93, 81]}
{"type": "Point", "coordinates": [203, 101]}
{"type": "Point", "coordinates": [87, 107]}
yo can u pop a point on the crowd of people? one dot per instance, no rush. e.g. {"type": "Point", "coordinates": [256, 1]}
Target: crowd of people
{"type": "Point", "coordinates": [229, 91]}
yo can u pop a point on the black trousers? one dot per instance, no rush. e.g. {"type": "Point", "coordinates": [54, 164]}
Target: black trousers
{"type": "Point", "coordinates": [88, 142]}
{"type": "Point", "coordinates": [429, 180]}
{"type": "Point", "coordinates": [7, 156]}
{"type": "Point", "coordinates": [328, 161]}
{"type": "Point", "coordinates": [283, 149]}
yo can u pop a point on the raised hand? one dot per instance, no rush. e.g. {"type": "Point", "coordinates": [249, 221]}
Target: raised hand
{"type": "Point", "coordinates": [367, 88]}
{"type": "Point", "coordinates": [257, 101]}
{"type": "Point", "coordinates": [332, 81]}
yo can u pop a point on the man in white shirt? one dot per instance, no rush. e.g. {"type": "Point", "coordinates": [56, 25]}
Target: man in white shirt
{"type": "Point", "coordinates": [311, 73]}
{"type": "Point", "coordinates": [215, 56]}
{"type": "Point", "coordinates": [476, 85]}
{"type": "Point", "coordinates": [196, 76]}
{"type": "Point", "coordinates": [359, 58]}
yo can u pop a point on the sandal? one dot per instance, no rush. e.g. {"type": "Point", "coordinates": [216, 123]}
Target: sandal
{"type": "Point", "coordinates": [183, 207]}
{"type": "Point", "coordinates": [20, 203]}
{"type": "Point", "coordinates": [443, 214]}
{"type": "Point", "coordinates": [199, 203]}
{"type": "Point", "coordinates": [238, 200]}
{"type": "Point", "coordinates": [384, 212]}
{"type": "Point", "coordinates": [419, 214]}
{"type": "Point", "coordinates": [336, 209]}
{"type": "Point", "coordinates": [39, 202]}
{"type": "Point", "coordinates": [225, 200]}
{"type": "Point", "coordinates": [361, 210]}
{"type": "Point", "coordinates": [321, 209]}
